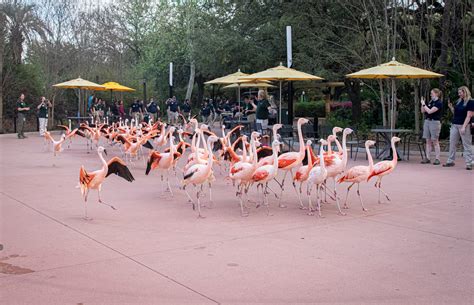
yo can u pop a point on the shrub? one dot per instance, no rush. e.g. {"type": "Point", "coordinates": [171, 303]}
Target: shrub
{"type": "Point", "coordinates": [310, 109]}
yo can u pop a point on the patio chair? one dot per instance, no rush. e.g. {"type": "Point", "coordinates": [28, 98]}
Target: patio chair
{"type": "Point", "coordinates": [354, 140]}
{"type": "Point", "coordinates": [309, 133]}
{"type": "Point", "coordinates": [418, 140]}
{"type": "Point", "coordinates": [286, 133]}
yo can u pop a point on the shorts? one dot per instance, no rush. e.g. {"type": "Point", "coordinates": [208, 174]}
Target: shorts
{"type": "Point", "coordinates": [264, 124]}
{"type": "Point", "coordinates": [431, 129]}
{"type": "Point", "coordinates": [173, 115]}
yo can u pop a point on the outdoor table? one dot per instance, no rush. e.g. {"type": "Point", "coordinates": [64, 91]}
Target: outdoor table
{"type": "Point", "coordinates": [78, 119]}
{"type": "Point", "coordinates": [386, 134]}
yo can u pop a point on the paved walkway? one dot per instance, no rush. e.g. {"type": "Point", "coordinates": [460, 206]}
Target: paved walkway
{"type": "Point", "coordinates": [417, 249]}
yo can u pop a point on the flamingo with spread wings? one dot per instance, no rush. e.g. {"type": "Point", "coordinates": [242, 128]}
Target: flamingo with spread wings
{"type": "Point", "coordinates": [93, 180]}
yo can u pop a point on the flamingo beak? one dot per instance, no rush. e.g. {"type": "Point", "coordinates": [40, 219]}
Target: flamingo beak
{"type": "Point", "coordinates": [105, 152]}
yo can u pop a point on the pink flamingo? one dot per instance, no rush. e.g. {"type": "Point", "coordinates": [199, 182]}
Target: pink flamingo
{"type": "Point", "coordinates": [198, 174]}
{"type": "Point", "coordinates": [384, 168]}
{"type": "Point", "coordinates": [338, 165]}
{"type": "Point", "coordinates": [317, 176]}
{"type": "Point", "coordinates": [93, 180]}
{"type": "Point", "coordinates": [266, 173]}
{"type": "Point", "coordinates": [242, 171]}
{"type": "Point", "coordinates": [358, 174]}
{"type": "Point", "coordinates": [302, 173]}
{"type": "Point", "coordinates": [292, 159]}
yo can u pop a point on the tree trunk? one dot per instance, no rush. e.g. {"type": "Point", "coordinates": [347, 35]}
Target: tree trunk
{"type": "Point", "coordinates": [353, 90]}
{"type": "Point", "coordinates": [3, 32]}
{"type": "Point", "coordinates": [382, 102]}
{"type": "Point", "coordinates": [445, 37]}
{"type": "Point", "coordinates": [417, 107]}
{"type": "Point", "coordinates": [192, 73]}
{"type": "Point", "coordinates": [200, 92]}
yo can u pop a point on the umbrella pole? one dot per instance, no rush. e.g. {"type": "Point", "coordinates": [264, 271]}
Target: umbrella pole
{"type": "Point", "coordinates": [238, 97]}
{"type": "Point", "coordinates": [279, 118]}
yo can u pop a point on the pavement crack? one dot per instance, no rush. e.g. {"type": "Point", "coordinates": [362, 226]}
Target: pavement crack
{"type": "Point", "coordinates": [111, 248]}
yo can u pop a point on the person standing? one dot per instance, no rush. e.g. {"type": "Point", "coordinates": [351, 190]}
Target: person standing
{"type": "Point", "coordinates": [250, 108]}
{"type": "Point", "coordinates": [174, 110]}
{"type": "Point", "coordinates": [263, 109]}
{"type": "Point", "coordinates": [153, 108]}
{"type": "Point", "coordinates": [460, 122]}
{"type": "Point", "coordinates": [135, 111]}
{"type": "Point", "coordinates": [22, 110]}
{"type": "Point", "coordinates": [121, 110]}
{"type": "Point", "coordinates": [432, 125]}
{"type": "Point", "coordinates": [43, 109]}
{"type": "Point", "coordinates": [205, 113]}
{"type": "Point", "coordinates": [186, 109]}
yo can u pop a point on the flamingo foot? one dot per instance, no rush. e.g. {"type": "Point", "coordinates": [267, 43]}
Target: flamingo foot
{"type": "Point", "coordinates": [341, 213]}
{"type": "Point", "coordinates": [281, 205]}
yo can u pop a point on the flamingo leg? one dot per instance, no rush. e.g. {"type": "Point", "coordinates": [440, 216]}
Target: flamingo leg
{"type": "Point", "coordinates": [190, 200]}
{"type": "Point", "coordinates": [347, 195]}
{"type": "Point", "coordinates": [85, 205]}
{"type": "Point", "coordinates": [198, 193]}
{"type": "Point", "coordinates": [360, 198]}
{"type": "Point", "coordinates": [211, 203]}
{"type": "Point", "coordinates": [310, 204]}
{"type": "Point", "coordinates": [337, 198]}
{"type": "Point", "coordinates": [100, 201]}
{"type": "Point", "coordinates": [281, 205]}
{"type": "Point", "coordinates": [302, 207]}
{"type": "Point", "coordinates": [242, 212]}
{"type": "Point", "coordinates": [265, 200]}
{"type": "Point", "coordinates": [381, 190]}
{"type": "Point", "coordinates": [318, 199]}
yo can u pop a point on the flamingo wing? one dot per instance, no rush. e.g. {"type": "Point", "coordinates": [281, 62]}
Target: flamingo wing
{"type": "Point", "coordinates": [118, 167]}
{"type": "Point", "coordinates": [148, 145]}
{"type": "Point", "coordinates": [260, 175]}
{"type": "Point", "coordinates": [264, 151]}
{"type": "Point", "coordinates": [64, 127]}
{"type": "Point", "coordinates": [48, 136]}
{"type": "Point", "coordinates": [285, 162]}
{"type": "Point", "coordinates": [380, 168]}
{"type": "Point", "coordinates": [155, 158]}
{"type": "Point", "coordinates": [84, 177]}
{"type": "Point", "coordinates": [71, 134]}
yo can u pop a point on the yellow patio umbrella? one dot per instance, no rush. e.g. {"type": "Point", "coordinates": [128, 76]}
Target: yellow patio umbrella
{"type": "Point", "coordinates": [80, 84]}
{"type": "Point", "coordinates": [394, 70]}
{"type": "Point", "coordinates": [250, 85]}
{"type": "Point", "coordinates": [280, 73]}
{"type": "Point", "coordinates": [114, 86]}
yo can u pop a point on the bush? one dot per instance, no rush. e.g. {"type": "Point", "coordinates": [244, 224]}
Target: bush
{"type": "Point", "coordinates": [312, 109]}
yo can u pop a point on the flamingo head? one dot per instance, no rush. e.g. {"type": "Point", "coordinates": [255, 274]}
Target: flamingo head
{"type": "Point", "coordinates": [101, 149]}
{"type": "Point", "coordinates": [348, 131]}
{"type": "Point", "coordinates": [395, 139]}
{"type": "Point", "coordinates": [255, 135]}
{"type": "Point", "coordinates": [336, 130]}
{"type": "Point", "coordinates": [212, 139]}
{"type": "Point", "coordinates": [277, 126]}
{"type": "Point", "coordinates": [331, 138]}
{"type": "Point", "coordinates": [323, 142]}
{"type": "Point", "coordinates": [309, 143]}
{"type": "Point", "coordinates": [276, 145]}
{"type": "Point", "coordinates": [302, 121]}
{"type": "Point", "coordinates": [369, 143]}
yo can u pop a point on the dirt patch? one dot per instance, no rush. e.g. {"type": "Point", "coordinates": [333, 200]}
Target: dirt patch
{"type": "Point", "coordinates": [6, 268]}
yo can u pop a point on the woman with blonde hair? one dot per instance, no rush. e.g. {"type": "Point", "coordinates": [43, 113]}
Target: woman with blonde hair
{"type": "Point", "coordinates": [263, 109]}
{"type": "Point", "coordinates": [432, 125]}
{"type": "Point", "coordinates": [462, 113]}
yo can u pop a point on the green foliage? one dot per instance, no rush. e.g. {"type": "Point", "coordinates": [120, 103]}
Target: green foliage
{"type": "Point", "coordinates": [312, 109]}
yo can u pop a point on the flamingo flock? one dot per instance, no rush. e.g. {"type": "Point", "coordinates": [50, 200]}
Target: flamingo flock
{"type": "Point", "coordinates": [198, 155]}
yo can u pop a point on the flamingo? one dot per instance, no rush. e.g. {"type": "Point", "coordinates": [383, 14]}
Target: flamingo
{"type": "Point", "coordinates": [302, 173]}
{"type": "Point", "coordinates": [338, 166]}
{"type": "Point", "coordinates": [358, 174]}
{"type": "Point", "coordinates": [265, 173]}
{"type": "Point", "coordinates": [57, 145]}
{"type": "Point", "coordinates": [384, 168]}
{"type": "Point", "coordinates": [162, 161]}
{"type": "Point", "coordinates": [317, 176]}
{"type": "Point", "coordinates": [292, 159]}
{"type": "Point", "coordinates": [93, 180]}
{"type": "Point", "coordinates": [199, 173]}
{"type": "Point", "coordinates": [242, 171]}
{"type": "Point", "coordinates": [269, 159]}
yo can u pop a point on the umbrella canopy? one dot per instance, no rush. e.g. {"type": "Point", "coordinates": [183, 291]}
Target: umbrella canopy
{"type": "Point", "coordinates": [79, 83]}
{"type": "Point", "coordinates": [114, 86]}
{"type": "Point", "coordinates": [281, 73]}
{"type": "Point", "coordinates": [228, 79]}
{"type": "Point", "coordinates": [250, 85]}
{"type": "Point", "coordinates": [394, 69]}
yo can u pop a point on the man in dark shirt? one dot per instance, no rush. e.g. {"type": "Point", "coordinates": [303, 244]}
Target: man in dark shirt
{"type": "Point", "coordinates": [153, 109]}
{"type": "Point", "coordinates": [432, 125]}
{"type": "Point", "coordinates": [21, 109]}
{"type": "Point", "coordinates": [263, 106]}
{"type": "Point", "coordinates": [173, 110]}
{"type": "Point", "coordinates": [43, 108]}
{"type": "Point", "coordinates": [135, 110]}
{"type": "Point", "coordinates": [186, 108]}
{"type": "Point", "coordinates": [205, 112]}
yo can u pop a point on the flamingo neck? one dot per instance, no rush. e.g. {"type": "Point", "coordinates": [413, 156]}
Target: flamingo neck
{"type": "Point", "coordinates": [309, 152]}
{"type": "Point", "coordinates": [338, 144]}
{"type": "Point", "coordinates": [300, 138]}
{"type": "Point", "coordinates": [210, 158]}
{"type": "Point", "coordinates": [244, 150]}
{"type": "Point", "coordinates": [369, 157]}
{"type": "Point", "coordinates": [329, 146]}
{"type": "Point", "coordinates": [103, 160]}
{"type": "Point", "coordinates": [344, 149]}
{"type": "Point", "coordinates": [395, 155]}
{"type": "Point", "coordinates": [275, 158]}
{"type": "Point", "coordinates": [254, 153]}
{"type": "Point", "coordinates": [321, 156]}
